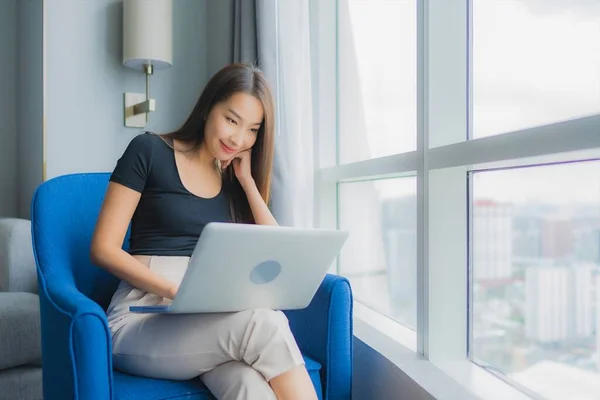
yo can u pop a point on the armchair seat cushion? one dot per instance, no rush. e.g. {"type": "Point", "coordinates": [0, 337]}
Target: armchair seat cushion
{"type": "Point", "coordinates": [19, 329]}
{"type": "Point", "coordinates": [129, 387]}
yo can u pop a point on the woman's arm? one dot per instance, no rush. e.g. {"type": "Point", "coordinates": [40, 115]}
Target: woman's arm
{"type": "Point", "coordinates": [260, 210]}
{"type": "Point", "coordinates": [106, 249]}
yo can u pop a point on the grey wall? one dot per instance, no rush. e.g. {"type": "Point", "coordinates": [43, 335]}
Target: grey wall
{"type": "Point", "coordinates": [30, 111]}
{"type": "Point", "coordinates": [220, 30]}
{"type": "Point", "coordinates": [8, 117]}
{"type": "Point", "coordinates": [85, 81]}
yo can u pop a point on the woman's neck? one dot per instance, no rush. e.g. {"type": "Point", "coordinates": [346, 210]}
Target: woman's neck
{"type": "Point", "coordinates": [200, 156]}
{"type": "Point", "coordinates": [204, 156]}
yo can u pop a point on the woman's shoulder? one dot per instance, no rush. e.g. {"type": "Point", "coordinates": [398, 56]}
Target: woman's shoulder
{"type": "Point", "coordinates": [135, 164]}
{"type": "Point", "coordinates": [144, 148]}
{"type": "Point", "coordinates": [146, 139]}
{"type": "Point", "coordinates": [147, 143]}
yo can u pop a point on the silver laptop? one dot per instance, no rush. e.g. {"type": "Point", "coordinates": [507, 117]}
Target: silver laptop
{"type": "Point", "coordinates": [237, 267]}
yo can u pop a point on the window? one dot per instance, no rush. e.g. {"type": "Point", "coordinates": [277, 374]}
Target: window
{"type": "Point", "coordinates": [380, 257]}
{"type": "Point", "coordinates": [377, 89]}
{"type": "Point", "coordinates": [460, 240]}
{"type": "Point", "coordinates": [535, 62]}
{"type": "Point", "coordinates": [536, 276]}
{"type": "Point", "coordinates": [377, 117]}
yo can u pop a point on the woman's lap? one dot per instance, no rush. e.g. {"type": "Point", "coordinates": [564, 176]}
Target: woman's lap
{"type": "Point", "coordinates": [182, 346]}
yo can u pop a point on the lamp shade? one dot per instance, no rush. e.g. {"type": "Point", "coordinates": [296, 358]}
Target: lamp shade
{"type": "Point", "coordinates": [148, 33]}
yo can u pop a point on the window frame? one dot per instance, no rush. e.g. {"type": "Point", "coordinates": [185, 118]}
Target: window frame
{"type": "Point", "coordinates": [442, 162]}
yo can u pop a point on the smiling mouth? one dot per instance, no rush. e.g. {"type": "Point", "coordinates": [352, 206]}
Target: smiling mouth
{"type": "Point", "coordinates": [227, 148]}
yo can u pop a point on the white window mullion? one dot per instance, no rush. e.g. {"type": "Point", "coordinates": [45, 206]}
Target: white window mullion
{"type": "Point", "coordinates": [569, 136]}
{"type": "Point", "coordinates": [448, 277]}
{"type": "Point", "coordinates": [383, 167]}
{"type": "Point", "coordinates": [443, 218]}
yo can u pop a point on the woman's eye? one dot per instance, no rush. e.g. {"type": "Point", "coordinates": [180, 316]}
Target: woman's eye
{"type": "Point", "coordinates": [255, 131]}
{"type": "Point", "coordinates": [231, 120]}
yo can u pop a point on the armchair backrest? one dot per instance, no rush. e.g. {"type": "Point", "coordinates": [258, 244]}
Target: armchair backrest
{"type": "Point", "coordinates": [64, 211]}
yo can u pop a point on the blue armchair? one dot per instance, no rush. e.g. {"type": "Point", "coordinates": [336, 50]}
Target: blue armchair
{"type": "Point", "coordinates": [74, 294]}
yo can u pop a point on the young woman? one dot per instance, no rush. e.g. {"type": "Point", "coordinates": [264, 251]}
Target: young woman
{"type": "Point", "coordinates": [216, 167]}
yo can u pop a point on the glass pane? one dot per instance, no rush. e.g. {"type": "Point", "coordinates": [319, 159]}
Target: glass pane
{"type": "Point", "coordinates": [536, 277]}
{"type": "Point", "coordinates": [377, 53]}
{"type": "Point", "coordinates": [535, 62]}
{"type": "Point", "coordinates": [380, 256]}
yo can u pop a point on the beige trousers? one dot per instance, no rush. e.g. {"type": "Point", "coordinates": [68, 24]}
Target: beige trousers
{"type": "Point", "coordinates": [234, 354]}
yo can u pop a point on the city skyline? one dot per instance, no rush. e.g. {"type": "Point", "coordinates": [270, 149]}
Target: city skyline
{"type": "Point", "coordinates": [543, 315]}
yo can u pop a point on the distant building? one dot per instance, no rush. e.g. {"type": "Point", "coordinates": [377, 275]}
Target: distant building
{"type": "Point", "coordinates": [492, 241]}
{"type": "Point", "coordinates": [556, 237]}
{"type": "Point", "coordinates": [559, 303]}
{"type": "Point", "coordinates": [598, 246]}
{"type": "Point", "coordinates": [527, 237]}
{"type": "Point", "coordinates": [598, 320]}
{"type": "Point", "coordinates": [593, 250]}
{"type": "Point", "coordinates": [399, 225]}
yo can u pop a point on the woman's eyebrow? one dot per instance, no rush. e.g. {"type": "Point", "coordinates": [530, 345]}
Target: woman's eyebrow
{"type": "Point", "coordinates": [240, 117]}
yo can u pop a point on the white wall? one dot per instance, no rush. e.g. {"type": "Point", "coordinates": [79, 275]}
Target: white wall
{"type": "Point", "coordinates": [85, 81]}
{"type": "Point", "coordinates": [8, 117]}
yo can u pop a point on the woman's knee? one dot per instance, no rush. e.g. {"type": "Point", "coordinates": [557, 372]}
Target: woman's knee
{"type": "Point", "coordinates": [268, 331]}
{"type": "Point", "coordinates": [236, 380]}
{"type": "Point", "coordinates": [271, 320]}
{"type": "Point", "coordinates": [269, 345]}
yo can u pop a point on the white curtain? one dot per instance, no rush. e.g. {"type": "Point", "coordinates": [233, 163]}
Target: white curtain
{"type": "Point", "coordinates": [283, 45]}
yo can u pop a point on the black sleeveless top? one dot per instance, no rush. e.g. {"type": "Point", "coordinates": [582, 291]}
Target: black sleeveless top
{"type": "Point", "coordinates": [169, 219]}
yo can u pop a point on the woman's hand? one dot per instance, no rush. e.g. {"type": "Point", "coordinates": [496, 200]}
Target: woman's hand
{"type": "Point", "coordinates": [241, 166]}
{"type": "Point", "coordinates": [172, 291]}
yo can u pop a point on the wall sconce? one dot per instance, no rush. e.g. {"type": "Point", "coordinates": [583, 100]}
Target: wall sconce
{"type": "Point", "coordinates": [147, 46]}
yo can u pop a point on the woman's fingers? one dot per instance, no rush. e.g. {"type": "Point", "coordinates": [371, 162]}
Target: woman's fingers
{"type": "Point", "coordinates": [240, 156]}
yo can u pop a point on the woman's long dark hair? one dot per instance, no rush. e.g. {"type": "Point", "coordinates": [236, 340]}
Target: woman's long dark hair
{"type": "Point", "coordinates": [236, 78]}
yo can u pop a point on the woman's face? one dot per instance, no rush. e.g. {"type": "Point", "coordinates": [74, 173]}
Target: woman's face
{"type": "Point", "coordinates": [232, 126]}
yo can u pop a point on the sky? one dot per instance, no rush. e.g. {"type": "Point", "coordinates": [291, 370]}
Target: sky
{"type": "Point", "coordinates": [562, 184]}
{"type": "Point", "coordinates": [535, 62]}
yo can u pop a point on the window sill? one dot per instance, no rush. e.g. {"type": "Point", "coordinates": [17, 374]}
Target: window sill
{"type": "Point", "coordinates": [442, 380]}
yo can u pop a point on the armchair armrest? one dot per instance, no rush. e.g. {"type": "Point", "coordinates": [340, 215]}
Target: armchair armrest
{"type": "Point", "coordinates": [323, 330]}
{"type": "Point", "coordinates": [76, 344]}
